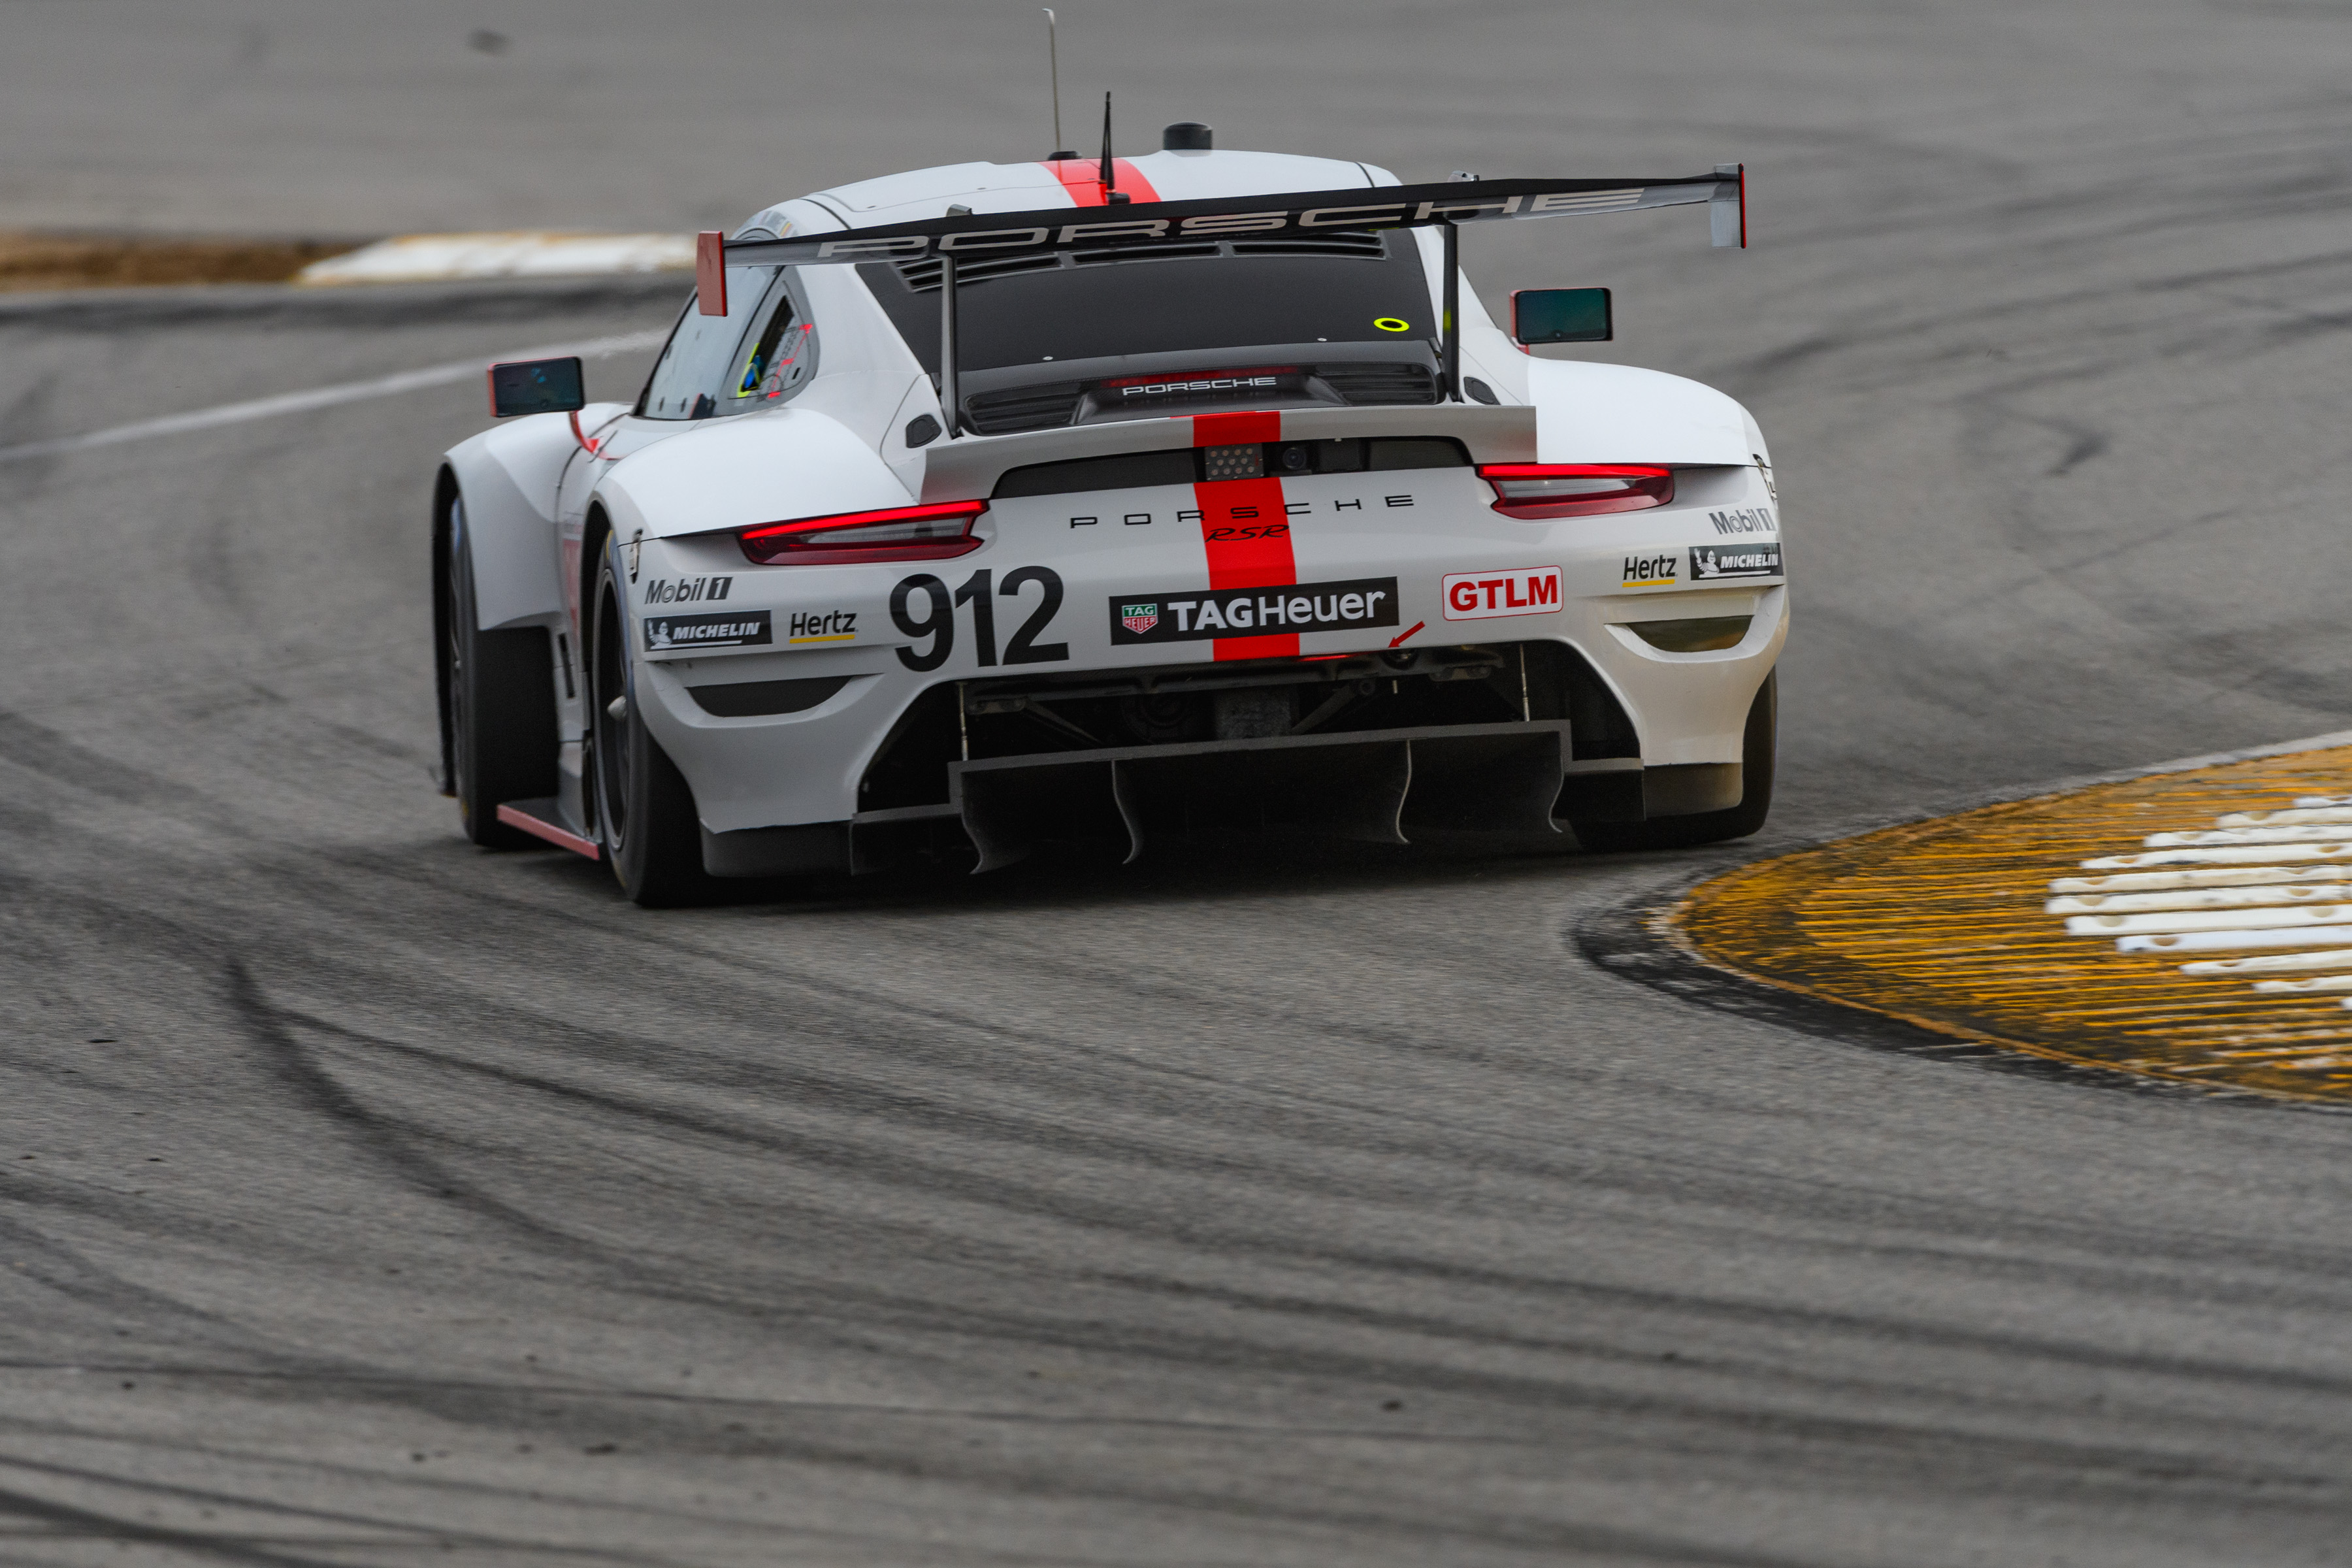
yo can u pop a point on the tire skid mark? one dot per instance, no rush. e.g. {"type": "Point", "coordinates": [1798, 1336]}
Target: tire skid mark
{"type": "Point", "coordinates": [390, 1145]}
{"type": "Point", "coordinates": [1735, 1183]}
{"type": "Point", "coordinates": [1541, 1284]}
{"type": "Point", "coordinates": [894, 1168]}
{"type": "Point", "coordinates": [70, 1521]}
{"type": "Point", "coordinates": [1732, 1185]}
{"type": "Point", "coordinates": [269, 1551]}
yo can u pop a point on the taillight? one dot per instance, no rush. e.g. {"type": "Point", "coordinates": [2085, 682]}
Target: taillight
{"type": "Point", "coordinates": [895, 533]}
{"type": "Point", "coordinates": [1534, 490]}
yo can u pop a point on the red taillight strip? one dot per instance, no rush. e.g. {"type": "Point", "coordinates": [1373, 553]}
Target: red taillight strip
{"type": "Point", "coordinates": [1639, 486]}
{"type": "Point", "coordinates": [790, 542]}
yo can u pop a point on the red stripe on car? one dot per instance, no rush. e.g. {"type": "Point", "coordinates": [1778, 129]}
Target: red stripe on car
{"type": "Point", "coordinates": [1082, 177]}
{"type": "Point", "coordinates": [1245, 529]}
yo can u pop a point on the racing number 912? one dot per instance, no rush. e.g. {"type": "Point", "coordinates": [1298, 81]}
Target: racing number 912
{"type": "Point", "coordinates": [979, 592]}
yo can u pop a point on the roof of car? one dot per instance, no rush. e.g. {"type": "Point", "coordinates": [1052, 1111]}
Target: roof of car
{"type": "Point", "coordinates": [1029, 187]}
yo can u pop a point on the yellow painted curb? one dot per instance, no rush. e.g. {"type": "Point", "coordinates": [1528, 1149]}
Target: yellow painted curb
{"type": "Point", "coordinates": [1942, 925]}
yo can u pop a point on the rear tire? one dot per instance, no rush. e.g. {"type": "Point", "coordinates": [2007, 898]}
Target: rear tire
{"type": "Point", "coordinates": [498, 698]}
{"type": "Point", "coordinates": [1757, 749]}
{"type": "Point", "coordinates": [646, 813]}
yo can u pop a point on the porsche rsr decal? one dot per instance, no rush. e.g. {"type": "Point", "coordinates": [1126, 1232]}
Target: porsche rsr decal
{"type": "Point", "coordinates": [687, 590]}
{"type": "Point", "coordinates": [1285, 611]}
{"type": "Point", "coordinates": [1245, 547]}
{"type": "Point", "coordinates": [1486, 595]}
{"type": "Point", "coordinates": [1139, 386]}
{"type": "Point", "coordinates": [1246, 523]}
{"type": "Point", "coordinates": [1713, 561]}
{"type": "Point", "coordinates": [1650, 570]}
{"type": "Point", "coordinates": [1744, 520]}
{"type": "Point", "coordinates": [744, 629]}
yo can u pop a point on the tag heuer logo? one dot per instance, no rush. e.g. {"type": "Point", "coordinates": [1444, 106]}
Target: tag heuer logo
{"type": "Point", "coordinates": [1139, 618]}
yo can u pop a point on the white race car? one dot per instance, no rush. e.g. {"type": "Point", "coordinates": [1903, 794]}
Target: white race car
{"type": "Point", "coordinates": [989, 505]}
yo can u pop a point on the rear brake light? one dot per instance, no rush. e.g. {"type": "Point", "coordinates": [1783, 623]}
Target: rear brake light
{"type": "Point", "coordinates": [1535, 490]}
{"type": "Point", "coordinates": [895, 533]}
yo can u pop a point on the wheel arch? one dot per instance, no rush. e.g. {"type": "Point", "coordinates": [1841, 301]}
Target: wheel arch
{"type": "Point", "coordinates": [507, 476]}
{"type": "Point", "coordinates": [445, 492]}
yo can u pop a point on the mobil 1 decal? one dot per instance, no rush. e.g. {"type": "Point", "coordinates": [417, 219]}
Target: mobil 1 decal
{"type": "Point", "coordinates": [687, 590]}
{"type": "Point", "coordinates": [1709, 562]}
{"type": "Point", "coordinates": [1190, 614]}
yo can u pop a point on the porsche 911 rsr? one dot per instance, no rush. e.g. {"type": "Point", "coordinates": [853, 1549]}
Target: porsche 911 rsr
{"type": "Point", "coordinates": [983, 506]}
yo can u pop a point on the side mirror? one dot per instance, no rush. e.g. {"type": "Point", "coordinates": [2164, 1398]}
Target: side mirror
{"type": "Point", "coordinates": [1560, 316]}
{"type": "Point", "coordinates": [536, 387]}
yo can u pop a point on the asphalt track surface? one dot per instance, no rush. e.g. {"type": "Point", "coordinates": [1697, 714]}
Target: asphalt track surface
{"type": "Point", "coordinates": [365, 1198]}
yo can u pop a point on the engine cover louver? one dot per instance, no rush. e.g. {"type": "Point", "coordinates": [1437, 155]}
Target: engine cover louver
{"type": "Point", "coordinates": [1364, 386]}
{"type": "Point", "coordinates": [1023, 408]}
{"type": "Point", "coordinates": [1061, 402]}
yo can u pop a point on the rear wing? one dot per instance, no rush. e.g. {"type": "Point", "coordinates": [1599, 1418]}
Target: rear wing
{"type": "Point", "coordinates": [1227, 218]}
{"type": "Point", "coordinates": [1139, 226]}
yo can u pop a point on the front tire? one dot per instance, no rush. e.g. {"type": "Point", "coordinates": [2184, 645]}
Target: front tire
{"type": "Point", "coordinates": [1758, 749]}
{"type": "Point", "coordinates": [498, 698]}
{"type": "Point", "coordinates": [646, 815]}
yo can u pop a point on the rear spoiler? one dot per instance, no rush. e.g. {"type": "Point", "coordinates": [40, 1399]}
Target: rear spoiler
{"type": "Point", "coordinates": [971, 467]}
{"type": "Point", "coordinates": [1232, 217]}
{"type": "Point", "coordinates": [1141, 225]}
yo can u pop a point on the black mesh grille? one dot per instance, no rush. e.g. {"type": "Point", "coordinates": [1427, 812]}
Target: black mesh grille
{"type": "Point", "coordinates": [1140, 253]}
{"type": "Point", "coordinates": [923, 277]}
{"type": "Point", "coordinates": [1023, 408]}
{"type": "Point", "coordinates": [1376, 383]}
{"type": "Point", "coordinates": [1337, 242]}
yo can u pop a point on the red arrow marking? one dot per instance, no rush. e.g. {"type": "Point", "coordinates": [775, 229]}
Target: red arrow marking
{"type": "Point", "coordinates": [1398, 639]}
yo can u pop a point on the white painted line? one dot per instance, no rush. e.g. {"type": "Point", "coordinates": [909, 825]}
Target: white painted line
{"type": "Point", "coordinates": [2207, 919]}
{"type": "Point", "coordinates": [526, 253]}
{"type": "Point", "coordinates": [327, 396]}
{"type": "Point", "coordinates": [2268, 964]}
{"type": "Point", "coordinates": [2249, 855]}
{"type": "Point", "coordinates": [2218, 877]}
{"type": "Point", "coordinates": [2301, 814]}
{"type": "Point", "coordinates": [2223, 940]}
{"type": "Point", "coordinates": [2203, 899]}
{"type": "Point", "coordinates": [2250, 836]}
{"type": "Point", "coordinates": [2318, 982]}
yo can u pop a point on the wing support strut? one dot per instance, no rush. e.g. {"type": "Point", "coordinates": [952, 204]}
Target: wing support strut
{"type": "Point", "coordinates": [1449, 325]}
{"type": "Point", "coordinates": [950, 404]}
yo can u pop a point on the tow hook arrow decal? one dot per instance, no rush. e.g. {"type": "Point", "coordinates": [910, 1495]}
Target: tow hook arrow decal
{"type": "Point", "coordinates": [1398, 640]}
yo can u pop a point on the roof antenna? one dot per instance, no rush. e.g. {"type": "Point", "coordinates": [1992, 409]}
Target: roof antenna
{"type": "Point", "coordinates": [1054, 70]}
{"type": "Point", "coordinates": [1111, 192]}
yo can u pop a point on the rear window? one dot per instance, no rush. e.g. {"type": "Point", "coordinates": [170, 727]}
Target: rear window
{"type": "Point", "coordinates": [1348, 287]}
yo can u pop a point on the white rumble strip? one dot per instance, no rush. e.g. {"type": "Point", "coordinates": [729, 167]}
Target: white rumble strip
{"type": "Point", "coordinates": [421, 257]}
{"type": "Point", "coordinates": [2255, 888]}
